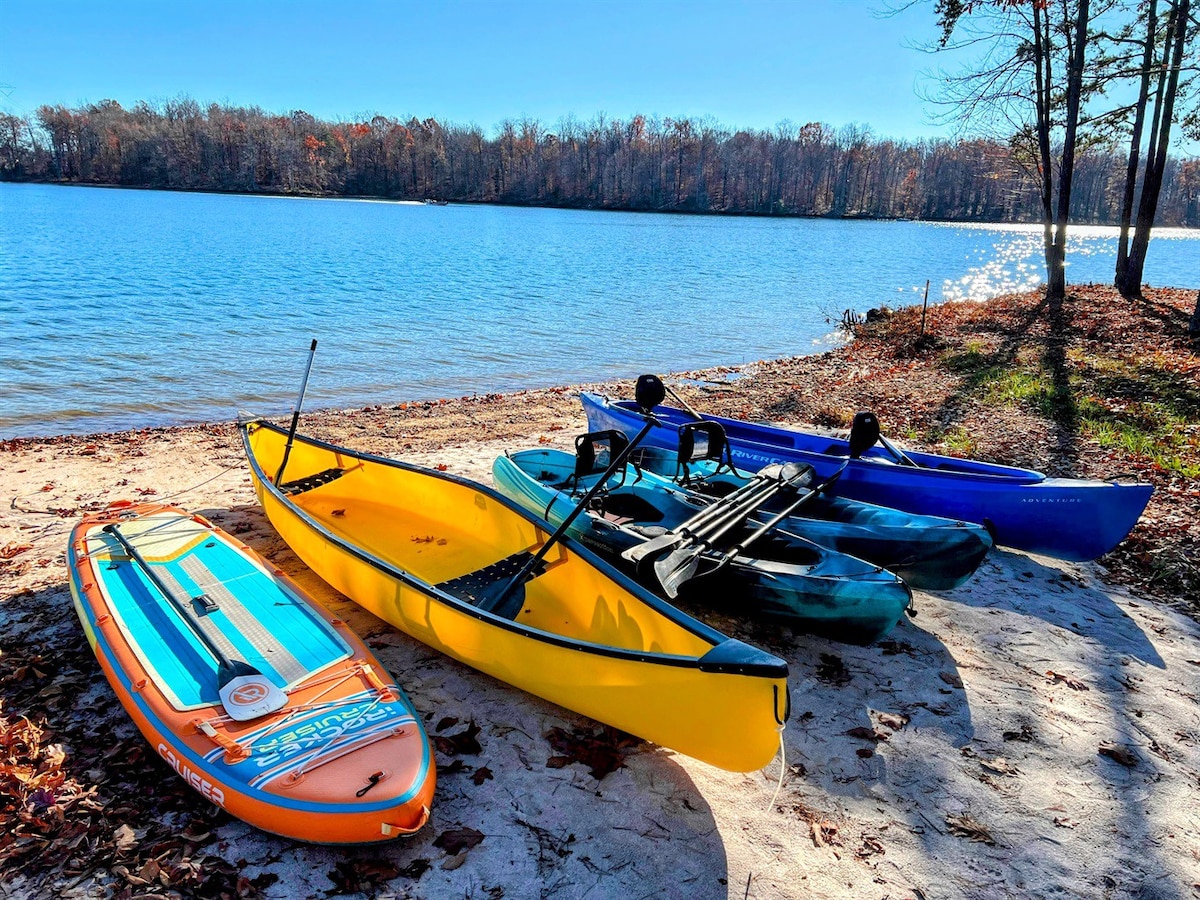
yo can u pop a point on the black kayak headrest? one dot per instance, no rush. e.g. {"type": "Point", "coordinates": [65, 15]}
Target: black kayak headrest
{"type": "Point", "coordinates": [649, 392]}
{"type": "Point", "coordinates": [701, 440]}
{"type": "Point", "coordinates": [864, 432]}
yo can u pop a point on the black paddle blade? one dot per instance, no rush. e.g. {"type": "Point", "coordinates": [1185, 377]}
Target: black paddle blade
{"type": "Point", "coordinates": [864, 432]}
{"type": "Point", "coordinates": [649, 392]}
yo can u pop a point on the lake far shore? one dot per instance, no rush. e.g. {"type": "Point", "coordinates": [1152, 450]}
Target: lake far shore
{"type": "Point", "coordinates": [1034, 732]}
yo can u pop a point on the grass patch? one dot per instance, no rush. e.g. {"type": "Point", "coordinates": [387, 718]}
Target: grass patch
{"type": "Point", "coordinates": [1136, 407]}
{"type": "Point", "coordinates": [1002, 382]}
{"type": "Point", "coordinates": [956, 440]}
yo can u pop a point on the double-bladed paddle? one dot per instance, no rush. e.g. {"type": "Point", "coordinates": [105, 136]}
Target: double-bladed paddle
{"type": "Point", "coordinates": [246, 693]}
{"type": "Point", "coordinates": [681, 564]}
{"type": "Point", "coordinates": [709, 517]}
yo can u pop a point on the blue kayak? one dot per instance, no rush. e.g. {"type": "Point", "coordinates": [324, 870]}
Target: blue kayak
{"type": "Point", "coordinates": [1068, 518]}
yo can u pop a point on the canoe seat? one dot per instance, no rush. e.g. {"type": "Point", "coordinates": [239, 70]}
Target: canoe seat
{"type": "Point", "coordinates": [309, 482]}
{"type": "Point", "coordinates": [484, 587]}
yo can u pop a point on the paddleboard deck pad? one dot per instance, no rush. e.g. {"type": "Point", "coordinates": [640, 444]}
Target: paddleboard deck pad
{"type": "Point", "coordinates": [163, 595]}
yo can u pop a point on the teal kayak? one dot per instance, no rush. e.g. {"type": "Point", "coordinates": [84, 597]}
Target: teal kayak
{"type": "Point", "coordinates": [929, 552]}
{"type": "Point", "coordinates": [787, 578]}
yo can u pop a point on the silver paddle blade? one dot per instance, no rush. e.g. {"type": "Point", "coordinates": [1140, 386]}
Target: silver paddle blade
{"type": "Point", "coordinates": [249, 695]}
{"type": "Point", "coordinates": [638, 552]}
{"type": "Point", "coordinates": [673, 570]}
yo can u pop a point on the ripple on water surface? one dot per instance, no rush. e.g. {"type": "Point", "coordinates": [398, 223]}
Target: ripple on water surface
{"type": "Point", "coordinates": [131, 308]}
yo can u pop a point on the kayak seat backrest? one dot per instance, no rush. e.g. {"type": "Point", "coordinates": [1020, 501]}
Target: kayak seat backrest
{"type": "Point", "coordinates": [486, 588]}
{"type": "Point", "coordinates": [596, 450]}
{"type": "Point", "coordinates": [701, 440]}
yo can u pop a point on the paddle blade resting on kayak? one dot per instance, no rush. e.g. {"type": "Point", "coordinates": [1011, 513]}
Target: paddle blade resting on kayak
{"type": "Point", "coordinates": [1068, 518]}
{"type": "Point", "coordinates": [928, 552]}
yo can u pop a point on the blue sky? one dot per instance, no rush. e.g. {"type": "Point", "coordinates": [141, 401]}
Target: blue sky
{"type": "Point", "coordinates": [746, 63]}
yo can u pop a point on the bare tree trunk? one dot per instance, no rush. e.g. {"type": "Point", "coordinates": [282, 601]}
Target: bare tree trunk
{"type": "Point", "coordinates": [1121, 279]}
{"type": "Point", "coordinates": [1056, 287]}
{"type": "Point", "coordinates": [1156, 160]}
{"type": "Point", "coordinates": [1041, 56]}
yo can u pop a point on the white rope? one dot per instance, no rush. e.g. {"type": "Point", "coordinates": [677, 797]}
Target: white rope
{"type": "Point", "coordinates": [782, 769]}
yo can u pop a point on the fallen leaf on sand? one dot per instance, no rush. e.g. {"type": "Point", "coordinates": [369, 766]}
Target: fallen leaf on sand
{"type": "Point", "coordinates": [482, 774]}
{"type": "Point", "coordinates": [456, 840]}
{"type": "Point", "coordinates": [951, 679]}
{"type": "Point", "coordinates": [965, 826]}
{"type": "Point", "coordinates": [999, 766]}
{"type": "Point", "coordinates": [462, 742]}
{"type": "Point", "coordinates": [832, 670]}
{"type": "Point", "coordinates": [1119, 752]}
{"type": "Point", "coordinates": [1073, 683]}
{"type": "Point", "coordinates": [12, 549]}
{"type": "Point", "coordinates": [355, 876]}
{"type": "Point", "coordinates": [1064, 822]}
{"type": "Point", "coordinates": [824, 833]}
{"type": "Point", "coordinates": [894, 721]}
{"type": "Point", "coordinates": [1025, 735]}
{"type": "Point", "coordinates": [868, 734]}
{"type": "Point", "coordinates": [870, 847]}
{"type": "Point", "coordinates": [602, 752]}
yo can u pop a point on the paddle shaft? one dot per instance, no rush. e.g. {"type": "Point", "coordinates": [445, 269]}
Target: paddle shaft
{"type": "Point", "coordinates": [697, 523]}
{"type": "Point", "coordinates": [184, 613]}
{"type": "Point", "coordinates": [681, 564]}
{"type": "Point", "coordinates": [613, 465]}
{"type": "Point", "coordinates": [714, 528]}
{"type": "Point", "coordinates": [687, 406]}
{"type": "Point", "coordinates": [780, 516]}
{"type": "Point", "coordinates": [900, 455]}
{"type": "Point", "coordinates": [312, 351]}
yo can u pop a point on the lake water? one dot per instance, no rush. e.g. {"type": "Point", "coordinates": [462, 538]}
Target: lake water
{"type": "Point", "coordinates": [123, 309]}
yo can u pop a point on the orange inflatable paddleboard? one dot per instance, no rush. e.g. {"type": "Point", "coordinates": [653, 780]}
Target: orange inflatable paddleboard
{"type": "Point", "coordinates": [259, 699]}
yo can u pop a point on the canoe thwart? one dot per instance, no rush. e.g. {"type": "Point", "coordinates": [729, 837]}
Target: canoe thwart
{"type": "Point", "coordinates": [487, 588]}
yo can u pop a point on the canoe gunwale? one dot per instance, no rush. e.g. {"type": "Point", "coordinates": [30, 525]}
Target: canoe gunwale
{"type": "Point", "coordinates": [999, 472]}
{"type": "Point", "coordinates": [777, 668]}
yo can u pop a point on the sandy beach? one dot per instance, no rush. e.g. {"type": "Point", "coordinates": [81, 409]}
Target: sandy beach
{"type": "Point", "coordinates": [1033, 733]}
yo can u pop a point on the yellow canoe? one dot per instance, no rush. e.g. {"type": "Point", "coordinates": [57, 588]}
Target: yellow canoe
{"type": "Point", "coordinates": [433, 554]}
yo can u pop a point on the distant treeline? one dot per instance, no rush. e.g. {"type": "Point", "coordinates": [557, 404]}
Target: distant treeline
{"type": "Point", "coordinates": [666, 164]}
